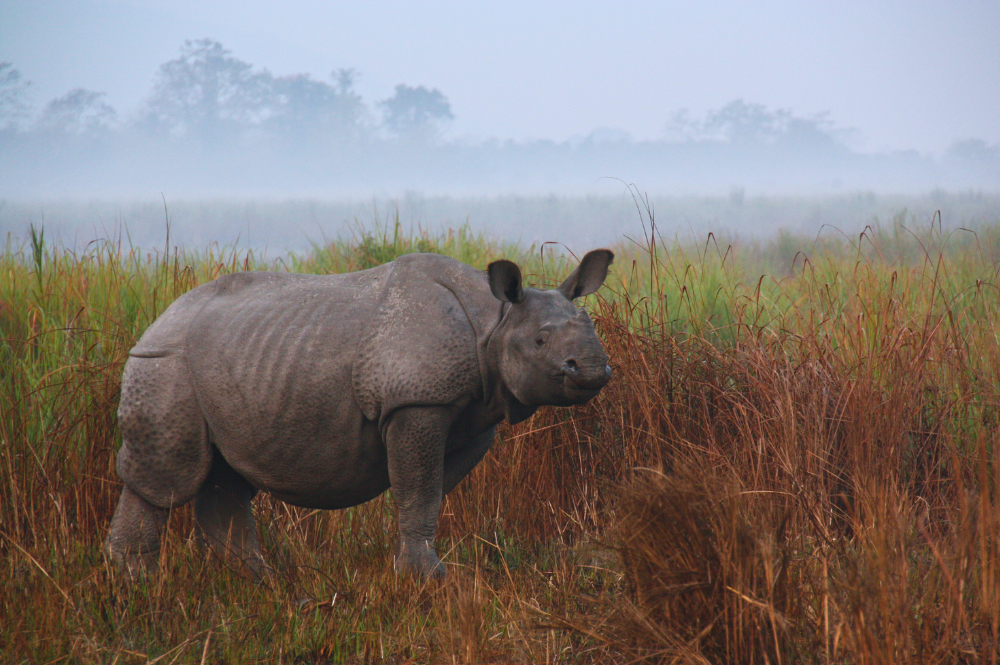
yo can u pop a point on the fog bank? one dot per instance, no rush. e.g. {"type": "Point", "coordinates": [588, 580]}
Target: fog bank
{"type": "Point", "coordinates": [577, 222]}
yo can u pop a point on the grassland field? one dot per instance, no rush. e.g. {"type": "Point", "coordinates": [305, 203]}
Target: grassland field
{"type": "Point", "coordinates": [797, 461]}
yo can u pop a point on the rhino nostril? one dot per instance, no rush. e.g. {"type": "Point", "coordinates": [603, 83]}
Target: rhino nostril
{"type": "Point", "coordinates": [571, 365]}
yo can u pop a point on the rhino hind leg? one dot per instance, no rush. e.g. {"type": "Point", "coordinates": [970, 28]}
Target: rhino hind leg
{"type": "Point", "coordinates": [225, 518]}
{"type": "Point", "coordinates": [133, 542]}
{"type": "Point", "coordinates": [164, 458]}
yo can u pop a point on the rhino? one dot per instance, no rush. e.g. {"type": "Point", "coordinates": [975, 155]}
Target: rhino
{"type": "Point", "coordinates": [327, 390]}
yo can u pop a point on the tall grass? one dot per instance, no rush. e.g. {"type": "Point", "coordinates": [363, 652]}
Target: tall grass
{"type": "Point", "coordinates": [796, 461]}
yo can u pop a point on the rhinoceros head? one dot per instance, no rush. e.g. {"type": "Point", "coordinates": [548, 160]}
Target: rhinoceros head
{"type": "Point", "coordinates": [548, 351]}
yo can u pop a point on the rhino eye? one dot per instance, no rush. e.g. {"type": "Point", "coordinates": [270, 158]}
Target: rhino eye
{"type": "Point", "coordinates": [541, 337]}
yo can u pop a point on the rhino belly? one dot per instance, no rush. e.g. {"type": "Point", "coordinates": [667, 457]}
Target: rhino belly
{"type": "Point", "coordinates": [292, 428]}
{"type": "Point", "coordinates": [309, 465]}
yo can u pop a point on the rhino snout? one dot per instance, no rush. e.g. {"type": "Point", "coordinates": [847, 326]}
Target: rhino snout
{"type": "Point", "coordinates": [587, 377]}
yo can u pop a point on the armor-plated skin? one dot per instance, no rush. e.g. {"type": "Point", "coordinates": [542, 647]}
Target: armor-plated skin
{"type": "Point", "coordinates": [327, 390]}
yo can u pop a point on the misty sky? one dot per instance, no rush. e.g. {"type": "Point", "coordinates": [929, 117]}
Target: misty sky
{"type": "Point", "coordinates": [911, 74]}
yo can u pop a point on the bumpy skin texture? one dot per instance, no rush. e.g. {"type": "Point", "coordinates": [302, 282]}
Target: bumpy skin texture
{"type": "Point", "coordinates": [327, 390]}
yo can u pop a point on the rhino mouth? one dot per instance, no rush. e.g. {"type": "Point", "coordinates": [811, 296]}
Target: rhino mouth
{"type": "Point", "coordinates": [584, 387]}
{"type": "Point", "coordinates": [585, 379]}
{"type": "Point", "coordinates": [579, 395]}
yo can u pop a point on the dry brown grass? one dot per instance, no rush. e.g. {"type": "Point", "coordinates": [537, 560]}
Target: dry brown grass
{"type": "Point", "coordinates": [781, 471]}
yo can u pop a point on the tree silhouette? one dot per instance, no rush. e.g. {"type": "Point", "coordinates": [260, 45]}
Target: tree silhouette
{"type": "Point", "coordinates": [345, 79]}
{"type": "Point", "coordinates": [206, 93]}
{"type": "Point", "coordinates": [754, 125]}
{"type": "Point", "coordinates": [973, 151]}
{"type": "Point", "coordinates": [301, 108]}
{"type": "Point", "coordinates": [416, 113]}
{"type": "Point", "coordinates": [742, 123]}
{"type": "Point", "coordinates": [14, 105]}
{"type": "Point", "coordinates": [78, 112]}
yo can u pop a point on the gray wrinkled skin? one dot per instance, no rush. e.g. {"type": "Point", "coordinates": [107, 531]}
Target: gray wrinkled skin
{"type": "Point", "coordinates": [327, 390]}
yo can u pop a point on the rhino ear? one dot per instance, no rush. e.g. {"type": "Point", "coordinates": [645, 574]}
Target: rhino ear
{"type": "Point", "coordinates": [505, 281]}
{"type": "Point", "coordinates": [589, 275]}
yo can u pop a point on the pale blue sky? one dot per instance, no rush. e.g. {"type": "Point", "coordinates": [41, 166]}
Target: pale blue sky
{"type": "Point", "coordinates": [912, 74]}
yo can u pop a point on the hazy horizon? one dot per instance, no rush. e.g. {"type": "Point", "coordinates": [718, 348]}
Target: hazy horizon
{"type": "Point", "coordinates": [575, 223]}
{"type": "Point", "coordinates": [746, 118]}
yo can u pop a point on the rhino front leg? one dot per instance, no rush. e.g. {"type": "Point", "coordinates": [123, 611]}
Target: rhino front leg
{"type": "Point", "coordinates": [415, 443]}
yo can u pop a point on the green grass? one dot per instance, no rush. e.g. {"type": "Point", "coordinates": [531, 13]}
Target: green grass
{"type": "Point", "coordinates": [797, 461]}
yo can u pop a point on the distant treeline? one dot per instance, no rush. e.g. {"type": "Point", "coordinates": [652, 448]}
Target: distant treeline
{"type": "Point", "coordinates": [215, 125]}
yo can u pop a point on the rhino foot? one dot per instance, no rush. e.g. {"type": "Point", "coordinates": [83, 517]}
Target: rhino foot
{"type": "Point", "coordinates": [418, 558]}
